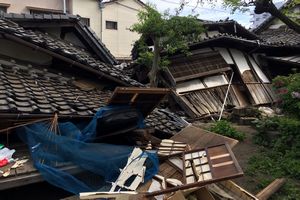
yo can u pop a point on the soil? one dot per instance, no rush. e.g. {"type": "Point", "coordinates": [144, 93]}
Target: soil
{"type": "Point", "coordinates": [243, 151]}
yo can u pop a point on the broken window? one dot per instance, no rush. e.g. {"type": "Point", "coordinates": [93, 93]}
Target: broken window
{"type": "Point", "coordinates": [112, 25]}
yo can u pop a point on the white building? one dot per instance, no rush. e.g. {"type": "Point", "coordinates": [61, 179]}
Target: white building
{"type": "Point", "coordinates": [110, 19]}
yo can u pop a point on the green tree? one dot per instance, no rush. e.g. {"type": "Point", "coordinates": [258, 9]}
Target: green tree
{"type": "Point", "coordinates": [167, 33]}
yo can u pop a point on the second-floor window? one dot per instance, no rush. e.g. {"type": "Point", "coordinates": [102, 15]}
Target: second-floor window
{"type": "Point", "coordinates": [85, 21]}
{"type": "Point", "coordinates": [112, 25]}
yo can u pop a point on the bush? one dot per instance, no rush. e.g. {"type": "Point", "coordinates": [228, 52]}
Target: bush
{"type": "Point", "coordinates": [288, 91]}
{"type": "Point", "coordinates": [225, 128]}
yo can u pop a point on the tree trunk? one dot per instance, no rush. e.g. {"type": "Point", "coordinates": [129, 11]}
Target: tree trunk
{"type": "Point", "coordinates": [155, 65]}
{"type": "Point", "coordinates": [262, 6]}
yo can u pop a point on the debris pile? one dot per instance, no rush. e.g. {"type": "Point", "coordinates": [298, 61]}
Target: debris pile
{"type": "Point", "coordinates": [192, 163]}
{"type": "Point", "coordinates": [7, 162]}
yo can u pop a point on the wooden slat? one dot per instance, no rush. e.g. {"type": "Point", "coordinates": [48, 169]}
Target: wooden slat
{"type": "Point", "coordinates": [202, 74]}
{"type": "Point", "coordinates": [216, 174]}
{"type": "Point", "coordinates": [144, 99]}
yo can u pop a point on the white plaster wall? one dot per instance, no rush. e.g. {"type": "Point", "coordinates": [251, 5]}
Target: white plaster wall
{"type": "Point", "coordinates": [88, 9]}
{"type": "Point", "coordinates": [19, 6]}
{"type": "Point", "coordinates": [120, 41]}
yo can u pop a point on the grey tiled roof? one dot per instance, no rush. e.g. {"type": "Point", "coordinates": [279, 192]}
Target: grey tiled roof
{"type": "Point", "coordinates": [54, 16]}
{"type": "Point", "coordinates": [31, 90]}
{"type": "Point", "coordinates": [282, 35]}
{"type": "Point", "coordinates": [65, 49]}
{"type": "Point", "coordinates": [86, 32]}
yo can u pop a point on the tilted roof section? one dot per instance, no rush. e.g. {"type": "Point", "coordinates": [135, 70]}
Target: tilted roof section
{"type": "Point", "coordinates": [65, 51]}
{"type": "Point", "coordinates": [61, 20]}
{"type": "Point", "coordinates": [31, 91]}
{"type": "Point", "coordinates": [281, 35]}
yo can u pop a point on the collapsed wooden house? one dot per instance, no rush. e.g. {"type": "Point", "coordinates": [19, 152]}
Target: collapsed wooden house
{"type": "Point", "coordinates": [54, 64]}
{"type": "Point", "coordinates": [226, 59]}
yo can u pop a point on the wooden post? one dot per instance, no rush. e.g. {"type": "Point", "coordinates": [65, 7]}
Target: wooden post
{"type": "Point", "coordinates": [271, 189]}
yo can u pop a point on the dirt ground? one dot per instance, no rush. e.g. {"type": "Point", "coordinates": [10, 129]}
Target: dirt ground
{"type": "Point", "coordinates": [243, 151]}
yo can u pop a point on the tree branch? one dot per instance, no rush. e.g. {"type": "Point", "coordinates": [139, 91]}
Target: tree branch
{"type": "Point", "coordinates": [262, 6]}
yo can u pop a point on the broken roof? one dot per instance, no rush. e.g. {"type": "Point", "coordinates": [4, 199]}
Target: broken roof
{"type": "Point", "coordinates": [31, 91]}
{"type": "Point", "coordinates": [281, 35]}
{"type": "Point", "coordinates": [63, 50]}
{"type": "Point", "coordinates": [64, 20]}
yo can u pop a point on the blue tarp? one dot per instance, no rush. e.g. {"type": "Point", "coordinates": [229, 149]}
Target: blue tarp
{"type": "Point", "coordinates": [100, 163]}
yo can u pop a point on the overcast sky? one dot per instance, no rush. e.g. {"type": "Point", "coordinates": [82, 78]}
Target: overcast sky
{"type": "Point", "coordinates": [206, 11]}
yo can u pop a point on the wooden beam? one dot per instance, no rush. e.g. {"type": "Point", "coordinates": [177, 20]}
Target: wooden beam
{"type": "Point", "coordinates": [271, 189]}
{"type": "Point", "coordinates": [202, 74]}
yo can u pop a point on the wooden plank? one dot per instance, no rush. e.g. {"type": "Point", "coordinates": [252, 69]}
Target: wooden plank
{"type": "Point", "coordinates": [210, 175]}
{"type": "Point", "coordinates": [199, 138]}
{"type": "Point", "coordinates": [144, 99]}
{"type": "Point", "coordinates": [271, 189]}
{"type": "Point", "coordinates": [235, 191]}
{"type": "Point", "coordinates": [202, 74]}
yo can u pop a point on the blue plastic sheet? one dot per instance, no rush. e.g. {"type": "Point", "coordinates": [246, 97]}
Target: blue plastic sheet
{"type": "Point", "coordinates": [99, 163]}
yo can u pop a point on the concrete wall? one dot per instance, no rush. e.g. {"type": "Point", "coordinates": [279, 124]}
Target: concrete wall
{"type": "Point", "coordinates": [20, 6]}
{"type": "Point", "coordinates": [120, 41]}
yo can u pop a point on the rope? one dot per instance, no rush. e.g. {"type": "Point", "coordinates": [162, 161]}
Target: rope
{"type": "Point", "coordinates": [24, 124]}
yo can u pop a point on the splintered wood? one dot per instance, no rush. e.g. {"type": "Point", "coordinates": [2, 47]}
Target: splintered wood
{"type": "Point", "coordinates": [134, 168]}
{"type": "Point", "coordinates": [144, 99]}
{"type": "Point", "coordinates": [197, 167]}
{"type": "Point", "coordinates": [210, 164]}
{"type": "Point", "coordinates": [170, 147]}
{"type": "Point", "coordinates": [203, 166]}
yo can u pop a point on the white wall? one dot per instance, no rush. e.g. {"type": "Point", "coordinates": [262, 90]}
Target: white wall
{"type": "Point", "coordinates": [120, 41]}
{"type": "Point", "coordinates": [89, 9]}
{"type": "Point", "coordinates": [19, 6]}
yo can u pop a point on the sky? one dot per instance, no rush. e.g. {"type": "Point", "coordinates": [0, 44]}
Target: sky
{"type": "Point", "coordinates": [205, 11]}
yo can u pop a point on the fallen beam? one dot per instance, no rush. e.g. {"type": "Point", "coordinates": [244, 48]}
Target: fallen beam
{"type": "Point", "coordinates": [271, 189]}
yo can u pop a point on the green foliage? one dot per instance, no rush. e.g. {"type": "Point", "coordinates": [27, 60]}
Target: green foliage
{"type": "Point", "coordinates": [292, 15]}
{"type": "Point", "coordinates": [288, 90]}
{"type": "Point", "coordinates": [265, 130]}
{"type": "Point", "coordinates": [174, 31]}
{"type": "Point", "coordinates": [280, 155]}
{"type": "Point", "coordinates": [225, 128]}
{"type": "Point", "coordinates": [167, 33]}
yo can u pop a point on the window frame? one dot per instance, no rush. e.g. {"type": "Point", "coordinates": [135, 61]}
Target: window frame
{"type": "Point", "coordinates": [113, 25]}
